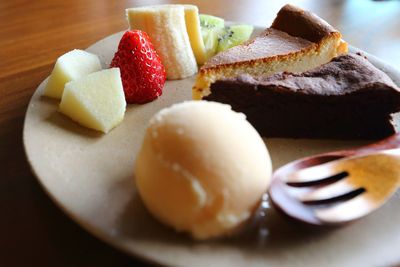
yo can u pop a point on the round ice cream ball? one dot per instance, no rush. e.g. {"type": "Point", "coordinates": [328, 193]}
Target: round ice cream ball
{"type": "Point", "coordinates": [202, 168]}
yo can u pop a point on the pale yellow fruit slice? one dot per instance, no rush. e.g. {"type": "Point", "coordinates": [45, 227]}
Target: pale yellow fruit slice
{"type": "Point", "coordinates": [70, 66]}
{"type": "Point", "coordinates": [166, 27]}
{"type": "Point", "coordinates": [96, 101]}
{"type": "Point", "coordinates": [194, 31]}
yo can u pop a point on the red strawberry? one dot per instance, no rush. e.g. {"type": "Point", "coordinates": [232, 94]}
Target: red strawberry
{"type": "Point", "coordinates": [142, 73]}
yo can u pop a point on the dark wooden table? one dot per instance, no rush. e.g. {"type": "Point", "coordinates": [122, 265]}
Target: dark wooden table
{"type": "Point", "coordinates": [33, 231]}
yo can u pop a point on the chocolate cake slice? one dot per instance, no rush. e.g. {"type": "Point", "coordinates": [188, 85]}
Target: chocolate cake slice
{"type": "Point", "coordinates": [347, 98]}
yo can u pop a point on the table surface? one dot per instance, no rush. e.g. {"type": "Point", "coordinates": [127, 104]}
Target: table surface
{"type": "Point", "coordinates": [34, 232]}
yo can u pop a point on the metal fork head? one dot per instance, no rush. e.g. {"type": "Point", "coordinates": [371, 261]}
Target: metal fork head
{"type": "Point", "coordinates": [338, 191]}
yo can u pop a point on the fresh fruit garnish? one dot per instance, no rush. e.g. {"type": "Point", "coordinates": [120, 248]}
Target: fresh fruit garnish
{"type": "Point", "coordinates": [217, 37]}
{"type": "Point", "coordinates": [95, 101]}
{"type": "Point", "coordinates": [209, 21]}
{"type": "Point", "coordinates": [194, 31]}
{"type": "Point", "coordinates": [234, 35]}
{"type": "Point", "coordinates": [142, 73]}
{"type": "Point", "coordinates": [166, 26]}
{"type": "Point", "coordinates": [211, 27]}
{"type": "Point", "coordinates": [70, 66]}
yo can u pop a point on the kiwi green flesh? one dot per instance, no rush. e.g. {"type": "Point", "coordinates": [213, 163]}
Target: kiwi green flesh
{"type": "Point", "coordinates": [209, 21]}
{"type": "Point", "coordinates": [234, 35]}
{"type": "Point", "coordinates": [210, 39]}
{"type": "Point", "coordinates": [217, 37]}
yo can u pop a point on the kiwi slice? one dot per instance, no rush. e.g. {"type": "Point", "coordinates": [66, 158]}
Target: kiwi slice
{"type": "Point", "coordinates": [211, 29]}
{"type": "Point", "coordinates": [209, 21]}
{"type": "Point", "coordinates": [233, 35]}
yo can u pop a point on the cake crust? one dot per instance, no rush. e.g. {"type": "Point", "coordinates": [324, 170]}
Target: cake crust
{"type": "Point", "coordinates": [301, 23]}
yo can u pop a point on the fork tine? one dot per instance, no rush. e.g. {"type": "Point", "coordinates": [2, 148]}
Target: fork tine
{"type": "Point", "coordinates": [346, 211]}
{"type": "Point", "coordinates": [314, 175]}
{"type": "Point", "coordinates": [333, 190]}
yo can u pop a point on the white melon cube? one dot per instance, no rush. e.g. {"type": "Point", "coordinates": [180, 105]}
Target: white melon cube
{"type": "Point", "coordinates": [96, 101]}
{"type": "Point", "coordinates": [69, 67]}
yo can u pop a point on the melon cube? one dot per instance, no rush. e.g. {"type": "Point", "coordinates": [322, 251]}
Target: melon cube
{"type": "Point", "coordinates": [69, 67]}
{"type": "Point", "coordinates": [96, 101]}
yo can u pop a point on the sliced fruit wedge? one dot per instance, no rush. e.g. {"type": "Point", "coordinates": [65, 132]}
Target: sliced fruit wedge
{"type": "Point", "coordinates": [95, 101]}
{"type": "Point", "coordinates": [209, 21]}
{"type": "Point", "coordinates": [211, 28]}
{"type": "Point", "coordinates": [166, 27]}
{"type": "Point", "coordinates": [217, 37]}
{"type": "Point", "coordinates": [194, 31]}
{"type": "Point", "coordinates": [70, 66]}
{"type": "Point", "coordinates": [234, 35]}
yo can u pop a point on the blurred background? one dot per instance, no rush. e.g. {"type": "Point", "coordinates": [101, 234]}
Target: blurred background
{"type": "Point", "coordinates": [373, 26]}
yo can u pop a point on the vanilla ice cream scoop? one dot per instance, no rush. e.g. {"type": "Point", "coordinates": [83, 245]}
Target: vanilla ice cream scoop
{"type": "Point", "coordinates": [202, 168]}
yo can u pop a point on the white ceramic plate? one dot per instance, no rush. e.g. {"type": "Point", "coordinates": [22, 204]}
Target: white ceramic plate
{"type": "Point", "coordinates": [90, 176]}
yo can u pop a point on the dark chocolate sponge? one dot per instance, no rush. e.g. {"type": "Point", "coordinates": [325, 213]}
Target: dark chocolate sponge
{"type": "Point", "coordinates": [347, 98]}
